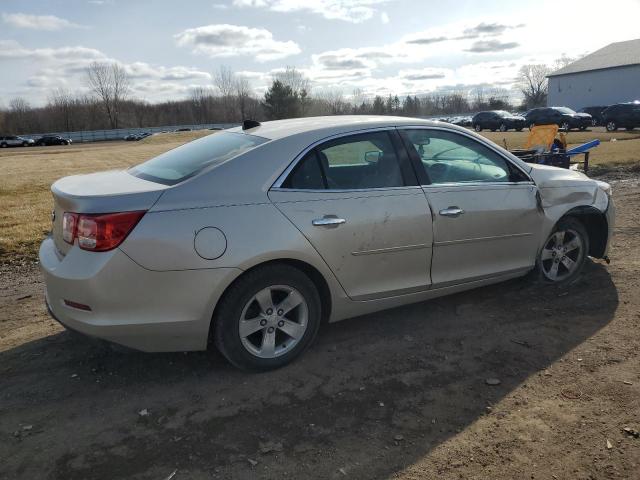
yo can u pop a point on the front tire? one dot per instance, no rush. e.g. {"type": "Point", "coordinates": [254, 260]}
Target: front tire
{"type": "Point", "coordinates": [564, 253]}
{"type": "Point", "coordinates": [611, 126]}
{"type": "Point", "coordinates": [565, 126]}
{"type": "Point", "coordinates": [503, 127]}
{"type": "Point", "coordinates": [267, 318]}
{"type": "Point", "coordinates": [477, 127]}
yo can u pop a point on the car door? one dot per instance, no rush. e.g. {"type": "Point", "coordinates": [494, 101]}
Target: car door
{"type": "Point", "coordinates": [486, 220]}
{"type": "Point", "coordinates": [357, 201]}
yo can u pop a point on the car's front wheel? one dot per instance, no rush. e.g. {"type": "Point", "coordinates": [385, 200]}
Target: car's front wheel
{"type": "Point", "coordinates": [611, 126]}
{"type": "Point", "coordinates": [564, 253]}
{"type": "Point", "coordinates": [565, 126]}
{"type": "Point", "coordinates": [503, 127]}
{"type": "Point", "coordinates": [268, 317]}
{"type": "Point", "coordinates": [477, 127]}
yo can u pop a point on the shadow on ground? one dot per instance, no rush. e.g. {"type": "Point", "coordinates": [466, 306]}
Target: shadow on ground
{"type": "Point", "coordinates": [372, 396]}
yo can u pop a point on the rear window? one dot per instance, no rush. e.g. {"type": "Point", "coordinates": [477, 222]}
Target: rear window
{"type": "Point", "coordinates": [187, 160]}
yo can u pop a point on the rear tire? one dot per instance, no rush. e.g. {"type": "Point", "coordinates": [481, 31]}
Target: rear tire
{"type": "Point", "coordinates": [477, 128]}
{"type": "Point", "coordinates": [3, 145]}
{"type": "Point", "coordinates": [251, 327]}
{"type": "Point", "coordinates": [564, 253]}
{"type": "Point", "coordinates": [565, 126]}
{"type": "Point", "coordinates": [611, 126]}
{"type": "Point", "coordinates": [503, 127]}
{"type": "Point", "coordinates": [25, 144]}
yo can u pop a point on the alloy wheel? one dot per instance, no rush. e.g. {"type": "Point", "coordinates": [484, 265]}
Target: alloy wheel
{"type": "Point", "coordinates": [561, 255]}
{"type": "Point", "coordinates": [273, 321]}
{"type": "Point", "coordinates": [611, 126]}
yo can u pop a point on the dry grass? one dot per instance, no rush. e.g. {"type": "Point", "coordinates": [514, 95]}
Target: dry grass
{"type": "Point", "coordinates": [27, 173]}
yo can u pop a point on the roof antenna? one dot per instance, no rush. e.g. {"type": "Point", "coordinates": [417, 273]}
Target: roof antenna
{"type": "Point", "coordinates": [248, 124]}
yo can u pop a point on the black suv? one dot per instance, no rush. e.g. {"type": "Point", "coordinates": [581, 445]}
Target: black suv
{"type": "Point", "coordinates": [497, 120]}
{"type": "Point", "coordinates": [596, 114]}
{"type": "Point", "coordinates": [52, 140]}
{"type": "Point", "coordinates": [625, 115]}
{"type": "Point", "coordinates": [564, 117]}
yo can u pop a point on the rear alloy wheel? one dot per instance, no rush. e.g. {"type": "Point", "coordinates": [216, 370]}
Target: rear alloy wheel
{"type": "Point", "coordinates": [477, 127]}
{"type": "Point", "coordinates": [611, 126]}
{"type": "Point", "coordinates": [267, 318]}
{"type": "Point", "coordinates": [564, 252]}
{"type": "Point", "coordinates": [3, 145]}
{"type": "Point", "coordinates": [594, 122]}
{"type": "Point", "coordinates": [565, 126]}
{"type": "Point", "coordinates": [503, 127]}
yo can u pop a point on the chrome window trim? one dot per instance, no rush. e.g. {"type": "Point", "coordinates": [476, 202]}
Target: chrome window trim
{"type": "Point", "coordinates": [283, 176]}
{"type": "Point", "coordinates": [483, 141]}
{"type": "Point", "coordinates": [345, 190]}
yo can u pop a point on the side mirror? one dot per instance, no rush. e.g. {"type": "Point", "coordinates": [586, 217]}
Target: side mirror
{"type": "Point", "coordinates": [373, 156]}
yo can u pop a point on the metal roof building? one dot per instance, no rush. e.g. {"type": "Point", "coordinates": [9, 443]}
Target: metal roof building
{"type": "Point", "coordinates": [606, 76]}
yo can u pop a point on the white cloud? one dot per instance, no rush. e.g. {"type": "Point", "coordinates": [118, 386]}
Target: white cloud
{"type": "Point", "coordinates": [37, 22]}
{"type": "Point", "coordinates": [384, 17]}
{"type": "Point", "coordinates": [225, 40]}
{"type": "Point", "coordinates": [355, 11]}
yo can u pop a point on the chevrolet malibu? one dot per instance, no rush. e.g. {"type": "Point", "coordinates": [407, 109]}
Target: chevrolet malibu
{"type": "Point", "coordinates": [252, 237]}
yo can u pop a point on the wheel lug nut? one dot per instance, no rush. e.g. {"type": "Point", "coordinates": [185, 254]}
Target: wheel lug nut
{"type": "Point", "coordinates": [263, 323]}
{"type": "Point", "coordinates": [280, 312]}
{"type": "Point", "coordinates": [281, 323]}
{"type": "Point", "coordinates": [270, 329]}
{"type": "Point", "coordinates": [269, 311]}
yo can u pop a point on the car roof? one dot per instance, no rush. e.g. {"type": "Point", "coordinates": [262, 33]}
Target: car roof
{"type": "Point", "coordinates": [283, 128]}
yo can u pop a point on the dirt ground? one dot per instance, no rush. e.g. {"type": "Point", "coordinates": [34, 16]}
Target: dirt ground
{"type": "Point", "coordinates": [398, 394]}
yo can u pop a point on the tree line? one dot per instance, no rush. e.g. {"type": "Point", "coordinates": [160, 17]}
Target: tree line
{"type": "Point", "coordinates": [109, 102]}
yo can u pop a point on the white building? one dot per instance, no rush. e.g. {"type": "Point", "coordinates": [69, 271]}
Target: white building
{"type": "Point", "coordinates": [606, 76]}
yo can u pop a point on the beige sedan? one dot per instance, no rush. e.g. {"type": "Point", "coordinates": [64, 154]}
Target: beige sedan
{"type": "Point", "coordinates": [252, 237]}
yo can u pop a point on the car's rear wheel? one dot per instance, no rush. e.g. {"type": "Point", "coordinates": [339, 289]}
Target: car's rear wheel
{"type": "Point", "coordinates": [267, 318]}
{"type": "Point", "coordinates": [3, 145]}
{"type": "Point", "coordinates": [564, 253]}
{"type": "Point", "coordinates": [594, 122]}
{"type": "Point", "coordinates": [611, 126]}
{"type": "Point", "coordinates": [477, 127]}
{"type": "Point", "coordinates": [25, 144]}
{"type": "Point", "coordinates": [565, 126]}
{"type": "Point", "coordinates": [628, 129]}
{"type": "Point", "coordinates": [503, 127]}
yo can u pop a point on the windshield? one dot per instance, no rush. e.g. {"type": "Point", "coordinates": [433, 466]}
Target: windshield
{"type": "Point", "coordinates": [183, 162]}
{"type": "Point", "coordinates": [564, 110]}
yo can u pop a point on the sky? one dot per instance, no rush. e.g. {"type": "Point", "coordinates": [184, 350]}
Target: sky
{"type": "Point", "coordinates": [374, 46]}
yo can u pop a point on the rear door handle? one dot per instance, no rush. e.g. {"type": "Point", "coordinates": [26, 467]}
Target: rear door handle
{"type": "Point", "coordinates": [328, 221]}
{"type": "Point", "coordinates": [451, 212]}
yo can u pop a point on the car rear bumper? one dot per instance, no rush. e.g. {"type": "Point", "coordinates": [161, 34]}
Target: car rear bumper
{"type": "Point", "coordinates": [132, 306]}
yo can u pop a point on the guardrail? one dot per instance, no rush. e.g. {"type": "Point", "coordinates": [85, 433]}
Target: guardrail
{"type": "Point", "coordinates": [120, 133]}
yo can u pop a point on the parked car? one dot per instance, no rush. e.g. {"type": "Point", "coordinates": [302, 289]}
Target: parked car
{"type": "Point", "coordinates": [497, 120]}
{"type": "Point", "coordinates": [132, 137]}
{"type": "Point", "coordinates": [15, 141]}
{"type": "Point", "coordinates": [183, 129]}
{"type": "Point", "coordinates": [564, 117]}
{"type": "Point", "coordinates": [254, 236]}
{"type": "Point", "coordinates": [622, 115]}
{"type": "Point", "coordinates": [48, 140]}
{"type": "Point", "coordinates": [596, 115]}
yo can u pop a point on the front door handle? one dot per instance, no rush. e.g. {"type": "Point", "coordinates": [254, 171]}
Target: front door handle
{"type": "Point", "coordinates": [451, 212]}
{"type": "Point", "coordinates": [329, 221]}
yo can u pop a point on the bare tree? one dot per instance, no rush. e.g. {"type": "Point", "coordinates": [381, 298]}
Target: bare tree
{"type": "Point", "coordinates": [61, 103]}
{"type": "Point", "coordinates": [532, 81]}
{"type": "Point", "coordinates": [243, 93]}
{"type": "Point", "coordinates": [111, 84]}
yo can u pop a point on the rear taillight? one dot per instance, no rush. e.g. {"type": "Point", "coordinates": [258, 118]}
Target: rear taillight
{"type": "Point", "coordinates": [98, 232]}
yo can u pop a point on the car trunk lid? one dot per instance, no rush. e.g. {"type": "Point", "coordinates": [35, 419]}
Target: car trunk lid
{"type": "Point", "coordinates": [104, 192]}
